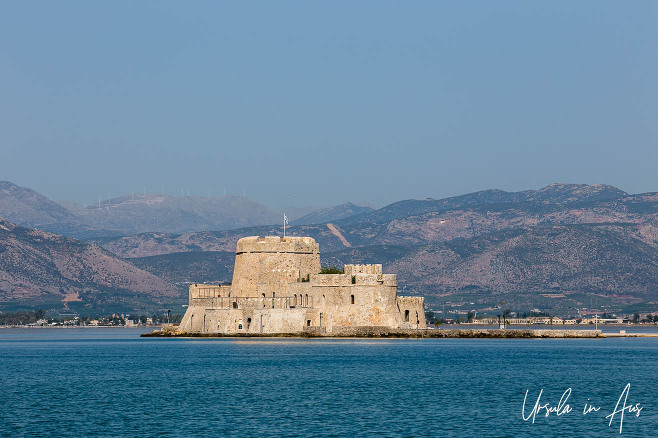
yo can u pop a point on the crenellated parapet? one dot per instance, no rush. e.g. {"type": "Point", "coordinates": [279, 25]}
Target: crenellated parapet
{"type": "Point", "coordinates": [276, 244]}
{"type": "Point", "coordinates": [197, 291]}
{"type": "Point", "coordinates": [363, 269]}
{"type": "Point", "coordinates": [354, 280]}
{"type": "Point", "coordinates": [411, 301]}
{"type": "Point", "coordinates": [331, 280]}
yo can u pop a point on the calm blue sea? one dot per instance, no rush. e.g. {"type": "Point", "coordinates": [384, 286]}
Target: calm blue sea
{"type": "Point", "coordinates": [111, 383]}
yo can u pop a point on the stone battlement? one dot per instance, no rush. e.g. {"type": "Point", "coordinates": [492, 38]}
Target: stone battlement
{"type": "Point", "coordinates": [290, 302]}
{"type": "Point", "coordinates": [411, 300]}
{"type": "Point", "coordinates": [209, 290]}
{"type": "Point", "coordinates": [331, 280]}
{"type": "Point", "coordinates": [276, 244]}
{"type": "Point", "coordinates": [363, 269]}
{"type": "Point", "coordinates": [347, 280]}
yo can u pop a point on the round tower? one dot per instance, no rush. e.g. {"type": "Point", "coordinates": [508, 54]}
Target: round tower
{"type": "Point", "coordinates": [273, 260]}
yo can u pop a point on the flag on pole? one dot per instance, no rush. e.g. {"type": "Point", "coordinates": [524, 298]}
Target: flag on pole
{"type": "Point", "coordinates": [285, 219]}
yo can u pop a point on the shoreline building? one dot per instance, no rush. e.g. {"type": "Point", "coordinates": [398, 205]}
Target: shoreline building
{"type": "Point", "coordinates": [277, 288]}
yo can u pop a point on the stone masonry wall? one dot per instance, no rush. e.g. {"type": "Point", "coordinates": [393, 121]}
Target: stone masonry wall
{"type": "Point", "coordinates": [412, 312]}
{"type": "Point", "coordinates": [273, 260]}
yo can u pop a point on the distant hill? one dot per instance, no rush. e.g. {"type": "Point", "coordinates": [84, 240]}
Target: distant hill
{"type": "Point", "coordinates": [42, 269]}
{"type": "Point", "coordinates": [417, 224]}
{"type": "Point", "coordinates": [554, 194]}
{"type": "Point", "coordinates": [190, 267]}
{"type": "Point", "coordinates": [135, 213]}
{"type": "Point", "coordinates": [151, 244]}
{"type": "Point", "coordinates": [174, 214]}
{"type": "Point", "coordinates": [331, 214]}
{"type": "Point", "coordinates": [611, 261]}
{"type": "Point", "coordinates": [29, 208]}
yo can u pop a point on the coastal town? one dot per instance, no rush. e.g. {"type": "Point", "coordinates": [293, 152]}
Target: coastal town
{"type": "Point", "coordinates": [41, 319]}
{"type": "Point", "coordinates": [538, 317]}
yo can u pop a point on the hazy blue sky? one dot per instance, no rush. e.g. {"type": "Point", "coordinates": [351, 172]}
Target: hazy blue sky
{"type": "Point", "coordinates": [331, 101]}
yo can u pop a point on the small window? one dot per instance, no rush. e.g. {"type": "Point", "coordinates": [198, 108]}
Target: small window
{"type": "Point", "coordinates": [248, 323]}
{"type": "Point", "coordinates": [406, 316]}
{"type": "Point", "coordinates": [352, 298]}
{"type": "Point", "coordinates": [235, 304]}
{"type": "Point", "coordinates": [308, 323]}
{"type": "Point", "coordinates": [239, 326]}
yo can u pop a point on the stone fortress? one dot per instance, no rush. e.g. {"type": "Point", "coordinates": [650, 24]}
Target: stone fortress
{"type": "Point", "coordinates": [277, 288]}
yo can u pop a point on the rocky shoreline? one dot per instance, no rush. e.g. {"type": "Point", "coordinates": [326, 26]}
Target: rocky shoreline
{"type": "Point", "coordinates": [370, 333]}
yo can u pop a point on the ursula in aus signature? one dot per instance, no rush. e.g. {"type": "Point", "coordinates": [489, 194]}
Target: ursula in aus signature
{"type": "Point", "coordinates": [562, 407]}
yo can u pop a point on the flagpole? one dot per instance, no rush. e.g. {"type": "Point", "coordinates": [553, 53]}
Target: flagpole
{"type": "Point", "coordinates": [284, 225]}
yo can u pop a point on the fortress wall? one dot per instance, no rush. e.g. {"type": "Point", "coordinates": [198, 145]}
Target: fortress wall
{"type": "Point", "coordinates": [415, 306]}
{"type": "Point", "coordinates": [280, 276]}
{"type": "Point", "coordinates": [325, 307]}
{"type": "Point", "coordinates": [372, 305]}
{"type": "Point", "coordinates": [369, 279]}
{"type": "Point", "coordinates": [331, 279]}
{"type": "Point", "coordinates": [358, 278]}
{"type": "Point", "coordinates": [390, 280]}
{"type": "Point", "coordinates": [204, 320]}
{"type": "Point", "coordinates": [198, 290]}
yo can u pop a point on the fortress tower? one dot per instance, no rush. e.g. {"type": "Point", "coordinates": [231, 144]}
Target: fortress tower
{"type": "Point", "coordinates": [272, 260]}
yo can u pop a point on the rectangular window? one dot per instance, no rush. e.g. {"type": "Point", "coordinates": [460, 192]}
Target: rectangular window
{"type": "Point", "coordinates": [352, 298]}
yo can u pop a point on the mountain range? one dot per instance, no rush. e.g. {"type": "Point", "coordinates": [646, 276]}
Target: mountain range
{"type": "Point", "coordinates": [51, 271]}
{"type": "Point", "coordinates": [560, 248]}
{"type": "Point", "coordinates": [138, 213]}
{"type": "Point", "coordinates": [330, 214]}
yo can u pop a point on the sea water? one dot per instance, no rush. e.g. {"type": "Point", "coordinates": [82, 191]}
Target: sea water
{"type": "Point", "coordinates": [109, 382]}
